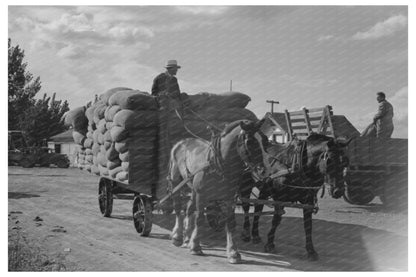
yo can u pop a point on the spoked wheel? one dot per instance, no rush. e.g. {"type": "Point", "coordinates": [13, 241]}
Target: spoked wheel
{"type": "Point", "coordinates": [142, 215]}
{"type": "Point", "coordinates": [105, 197]}
{"type": "Point", "coordinates": [358, 194]}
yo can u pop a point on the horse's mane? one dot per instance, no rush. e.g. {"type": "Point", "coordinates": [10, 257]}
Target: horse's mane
{"type": "Point", "coordinates": [230, 127]}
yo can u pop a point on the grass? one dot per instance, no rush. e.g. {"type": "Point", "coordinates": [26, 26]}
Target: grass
{"type": "Point", "coordinates": [25, 256]}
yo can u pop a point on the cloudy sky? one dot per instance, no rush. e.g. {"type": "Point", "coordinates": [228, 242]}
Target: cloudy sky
{"type": "Point", "coordinates": [299, 55]}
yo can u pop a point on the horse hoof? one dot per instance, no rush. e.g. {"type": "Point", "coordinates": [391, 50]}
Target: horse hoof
{"type": "Point", "coordinates": [197, 252]}
{"type": "Point", "coordinates": [177, 242]}
{"type": "Point", "coordinates": [313, 257]}
{"type": "Point", "coordinates": [185, 245]}
{"type": "Point", "coordinates": [256, 240]}
{"type": "Point", "coordinates": [236, 259]}
{"type": "Point", "coordinates": [269, 248]}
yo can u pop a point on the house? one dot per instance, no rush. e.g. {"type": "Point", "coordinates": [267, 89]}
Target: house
{"type": "Point", "coordinates": [63, 143]}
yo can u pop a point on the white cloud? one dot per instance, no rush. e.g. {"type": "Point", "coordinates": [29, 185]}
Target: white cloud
{"type": "Point", "coordinates": [130, 32]}
{"type": "Point", "coordinates": [71, 23]}
{"type": "Point", "coordinates": [202, 10]}
{"type": "Point", "coordinates": [70, 52]}
{"type": "Point", "coordinates": [383, 29]}
{"type": "Point", "coordinates": [400, 104]}
{"type": "Point", "coordinates": [324, 38]}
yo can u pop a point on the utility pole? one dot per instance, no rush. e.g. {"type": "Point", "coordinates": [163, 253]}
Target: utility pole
{"type": "Point", "coordinates": [231, 85]}
{"type": "Point", "coordinates": [272, 102]}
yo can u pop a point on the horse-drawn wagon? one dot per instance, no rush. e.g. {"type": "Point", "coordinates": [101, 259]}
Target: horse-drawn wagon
{"type": "Point", "coordinates": [377, 167]}
{"type": "Point", "coordinates": [127, 143]}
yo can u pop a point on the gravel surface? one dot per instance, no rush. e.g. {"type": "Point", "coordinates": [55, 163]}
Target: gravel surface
{"type": "Point", "coordinates": [57, 210]}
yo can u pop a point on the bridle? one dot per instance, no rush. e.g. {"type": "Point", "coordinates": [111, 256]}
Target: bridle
{"type": "Point", "coordinates": [245, 154]}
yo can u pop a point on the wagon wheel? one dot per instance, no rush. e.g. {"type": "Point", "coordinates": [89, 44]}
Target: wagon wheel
{"type": "Point", "coordinates": [357, 194]}
{"type": "Point", "coordinates": [105, 197]}
{"type": "Point", "coordinates": [142, 215]}
{"type": "Point", "coordinates": [213, 216]}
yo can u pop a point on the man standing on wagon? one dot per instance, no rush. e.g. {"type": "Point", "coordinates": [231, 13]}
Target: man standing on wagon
{"type": "Point", "coordinates": [384, 117]}
{"type": "Point", "coordinates": [166, 82]}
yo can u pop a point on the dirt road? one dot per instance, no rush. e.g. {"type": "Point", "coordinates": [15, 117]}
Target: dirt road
{"type": "Point", "coordinates": [69, 224]}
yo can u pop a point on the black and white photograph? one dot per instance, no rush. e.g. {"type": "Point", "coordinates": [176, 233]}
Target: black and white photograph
{"type": "Point", "coordinates": [179, 137]}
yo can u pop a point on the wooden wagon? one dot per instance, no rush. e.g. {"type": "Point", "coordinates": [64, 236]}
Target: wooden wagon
{"type": "Point", "coordinates": [147, 187]}
{"type": "Point", "coordinates": [377, 167]}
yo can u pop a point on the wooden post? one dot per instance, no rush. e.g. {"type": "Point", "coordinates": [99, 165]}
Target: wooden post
{"type": "Point", "coordinates": [307, 121]}
{"type": "Point", "coordinates": [289, 125]}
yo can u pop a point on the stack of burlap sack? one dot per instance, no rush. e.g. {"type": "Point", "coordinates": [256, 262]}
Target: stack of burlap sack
{"type": "Point", "coordinates": [76, 118]}
{"type": "Point", "coordinates": [131, 132]}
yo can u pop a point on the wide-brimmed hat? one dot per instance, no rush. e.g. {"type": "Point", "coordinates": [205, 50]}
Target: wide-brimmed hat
{"type": "Point", "coordinates": [172, 63]}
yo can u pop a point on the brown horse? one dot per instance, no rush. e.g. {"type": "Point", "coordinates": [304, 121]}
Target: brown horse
{"type": "Point", "coordinates": [309, 164]}
{"type": "Point", "coordinates": [214, 171]}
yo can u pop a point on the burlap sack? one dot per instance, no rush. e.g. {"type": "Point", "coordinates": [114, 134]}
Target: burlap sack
{"type": "Point", "coordinates": [101, 159]}
{"type": "Point", "coordinates": [89, 158]}
{"type": "Point", "coordinates": [106, 95]}
{"type": "Point", "coordinates": [111, 111]}
{"type": "Point", "coordinates": [103, 150]}
{"type": "Point", "coordinates": [112, 153]}
{"type": "Point", "coordinates": [100, 138]}
{"type": "Point", "coordinates": [107, 144]}
{"type": "Point", "coordinates": [101, 126]}
{"type": "Point", "coordinates": [118, 133]}
{"type": "Point", "coordinates": [78, 137]}
{"type": "Point", "coordinates": [124, 157]}
{"type": "Point", "coordinates": [122, 146]}
{"type": "Point", "coordinates": [88, 143]}
{"type": "Point", "coordinates": [113, 164]}
{"type": "Point", "coordinates": [125, 166]}
{"type": "Point", "coordinates": [109, 125]}
{"type": "Point", "coordinates": [95, 170]}
{"type": "Point", "coordinates": [122, 176]}
{"type": "Point", "coordinates": [222, 100]}
{"type": "Point", "coordinates": [107, 136]}
{"type": "Point", "coordinates": [132, 120]}
{"type": "Point", "coordinates": [103, 170]}
{"type": "Point", "coordinates": [90, 135]}
{"type": "Point", "coordinates": [133, 100]}
{"type": "Point", "coordinates": [89, 114]}
{"type": "Point", "coordinates": [99, 112]}
{"type": "Point", "coordinates": [95, 136]}
{"type": "Point", "coordinates": [113, 172]}
{"type": "Point", "coordinates": [95, 148]}
{"type": "Point", "coordinates": [77, 119]}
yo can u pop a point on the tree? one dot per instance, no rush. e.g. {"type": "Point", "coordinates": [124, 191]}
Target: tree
{"type": "Point", "coordinates": [39, 119]}
{"type": "Point", "coordinates": [21, 85]}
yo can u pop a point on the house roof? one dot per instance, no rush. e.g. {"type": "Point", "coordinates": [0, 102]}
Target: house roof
{"type": "Point", "coordinates": [63, 137]}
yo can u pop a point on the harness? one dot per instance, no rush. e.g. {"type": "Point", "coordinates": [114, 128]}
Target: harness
{"type": "Point", "coordinates": [297, 161]}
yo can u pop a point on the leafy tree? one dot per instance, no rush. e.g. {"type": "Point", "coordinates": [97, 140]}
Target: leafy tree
{"type": "Point", "coordinates": [38, 118]}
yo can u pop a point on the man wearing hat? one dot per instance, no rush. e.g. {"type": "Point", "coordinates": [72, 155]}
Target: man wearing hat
{"type": "Point", "coordinates": [166, 82]}
{"type": "Point", "coordinates": [384, 117]}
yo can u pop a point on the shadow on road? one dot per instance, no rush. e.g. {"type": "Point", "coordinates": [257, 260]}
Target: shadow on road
{"type": "Point", "coordinates": [19, 195]}
{"type": "Point", "coordinates": [341, 247]}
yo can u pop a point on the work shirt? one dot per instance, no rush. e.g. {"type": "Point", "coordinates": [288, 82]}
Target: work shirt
{"type": "Point", "coordinates": [384, 120]}
{"type": "Point", "coordinates": [165, 82]}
